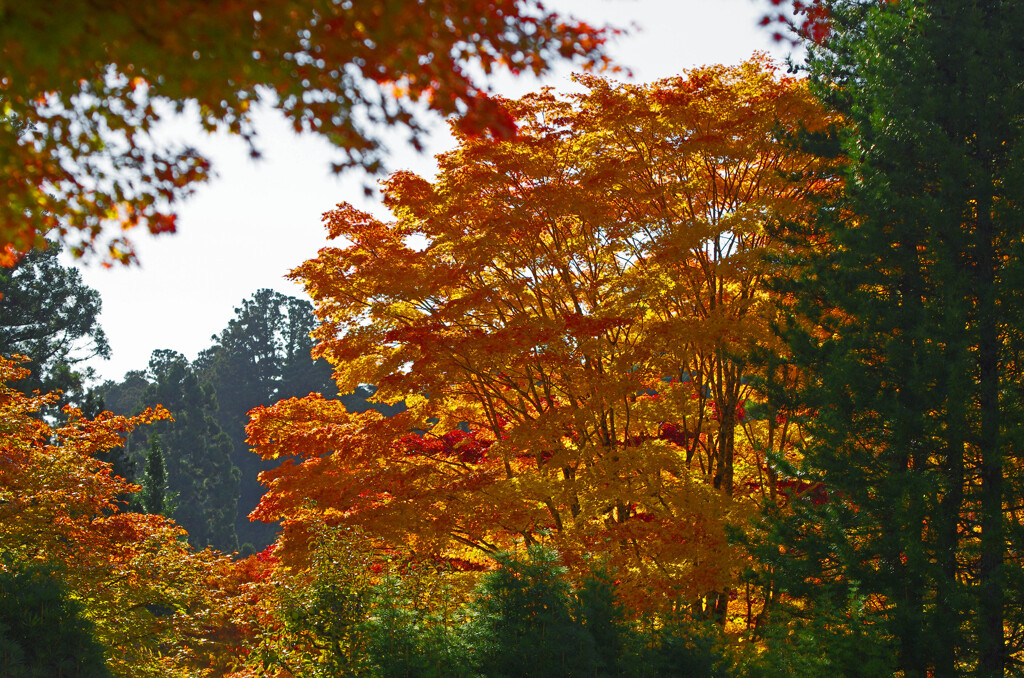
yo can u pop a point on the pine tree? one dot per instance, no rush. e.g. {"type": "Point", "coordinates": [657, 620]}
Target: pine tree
{"type": "Point", "coordinates": [197, 453]}
{"type": "Point", "coordinates": [907, 324]}
{"type": "Point", "coordinates": [155, 495]}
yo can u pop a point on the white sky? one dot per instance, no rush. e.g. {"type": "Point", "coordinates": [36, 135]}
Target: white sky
{"type": "Point", "coordinates": [246, 229]}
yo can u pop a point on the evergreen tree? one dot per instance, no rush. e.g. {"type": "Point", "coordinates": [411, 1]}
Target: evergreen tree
{"type": "Point", "coordinates": [596, 608]}
{"type": "Point", "coordinates": [526, 626]}
{"type": "Point", "coordinates": [300, 374]}
{"type": "Point", "coordinates": [907, 325]}
{"type": "Point", "coordinates": [126, 398]}
{"type": "Point", "coordinates": [43, 632]}
{"type": "Point", "coordinates": [48, 314]}
{"type": "Point", "coordinates": [155, 495]}
{"type": "Point", "coordinates": [263, 355]}
{"type": "Point", "coordinates": [197, 452]}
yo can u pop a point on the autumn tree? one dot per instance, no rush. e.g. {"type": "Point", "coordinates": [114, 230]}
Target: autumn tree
{"type": "Point", "coordinates": [907, 321]}
{"type": "Point", "coordinates": [709, 232]}
{"type": "Point", "coordinates": [562, 314]}
{"type": "Point", "coordinates": [83, 90]}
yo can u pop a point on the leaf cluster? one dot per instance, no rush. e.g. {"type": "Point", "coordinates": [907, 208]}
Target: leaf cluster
{"type": "Point", "coordinates": [524, 619]}
{"type": "Point", "coordinates": [83, 90]}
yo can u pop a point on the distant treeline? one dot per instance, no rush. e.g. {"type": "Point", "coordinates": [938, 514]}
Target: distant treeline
{"type": "Point", "coordinates": [262, 356]}
{"type": "Point", "coordinates": [208, 476]}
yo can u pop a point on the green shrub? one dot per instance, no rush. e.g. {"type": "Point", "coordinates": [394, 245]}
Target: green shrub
{"type": "Point", "coordinates": [43, 633]}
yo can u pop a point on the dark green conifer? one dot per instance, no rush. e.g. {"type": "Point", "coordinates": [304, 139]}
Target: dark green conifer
{"type": "Point", "coordinates": [525, 623]}
{"type": "Point", "coordinates": [263, 355]}
{"type": "Point", "coordinates": [48, 314]}
{"type": "Point", "coordinates": [155, 495]}
{"type": "Point", "coordinates": [196, 452]}
{"type": "Point", "coordinates": [907, 329]}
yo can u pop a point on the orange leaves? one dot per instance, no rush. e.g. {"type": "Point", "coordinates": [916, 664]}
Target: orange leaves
{"type": "Point", "coordinates": [406, 184]}
{"type": "Point", "coordinates": [362, 468]}
{"type": "Point", "coordinates": [574, 314]}
{"type": "Point", "coordinates": [307, 427]}
{"type": "Point", "coordinates": [80, 86]}
{"type": "Point", "coordinates": [352, 223]}
{"type": "Point", "coordinates": [50, 479]}
{"type": "Point", "coordinates": [10, 255]}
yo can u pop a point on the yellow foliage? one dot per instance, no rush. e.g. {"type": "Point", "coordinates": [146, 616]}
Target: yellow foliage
{"type": "Point", "coordinates": [572, 336]}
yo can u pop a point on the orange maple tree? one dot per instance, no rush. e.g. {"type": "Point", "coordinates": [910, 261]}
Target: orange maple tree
{"type": "Point", "coordinates": [83, 88]}
{"type": "Point", "coordinates": [565, 316]}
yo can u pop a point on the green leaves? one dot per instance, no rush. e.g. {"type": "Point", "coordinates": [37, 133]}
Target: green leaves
{"type": "Point", "coordinates": [43, 631]}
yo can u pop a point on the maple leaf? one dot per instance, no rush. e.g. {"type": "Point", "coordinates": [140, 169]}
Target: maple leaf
{"type": "Point", "coordinates": [61, 503]}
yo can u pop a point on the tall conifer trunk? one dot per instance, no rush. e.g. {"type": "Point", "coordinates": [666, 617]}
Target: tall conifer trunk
{"type": "Point", "coordinates": [991, 643]}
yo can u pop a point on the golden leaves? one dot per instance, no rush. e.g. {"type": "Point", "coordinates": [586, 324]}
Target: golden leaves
{"type": "Point", "coordinates": [573, 331]}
